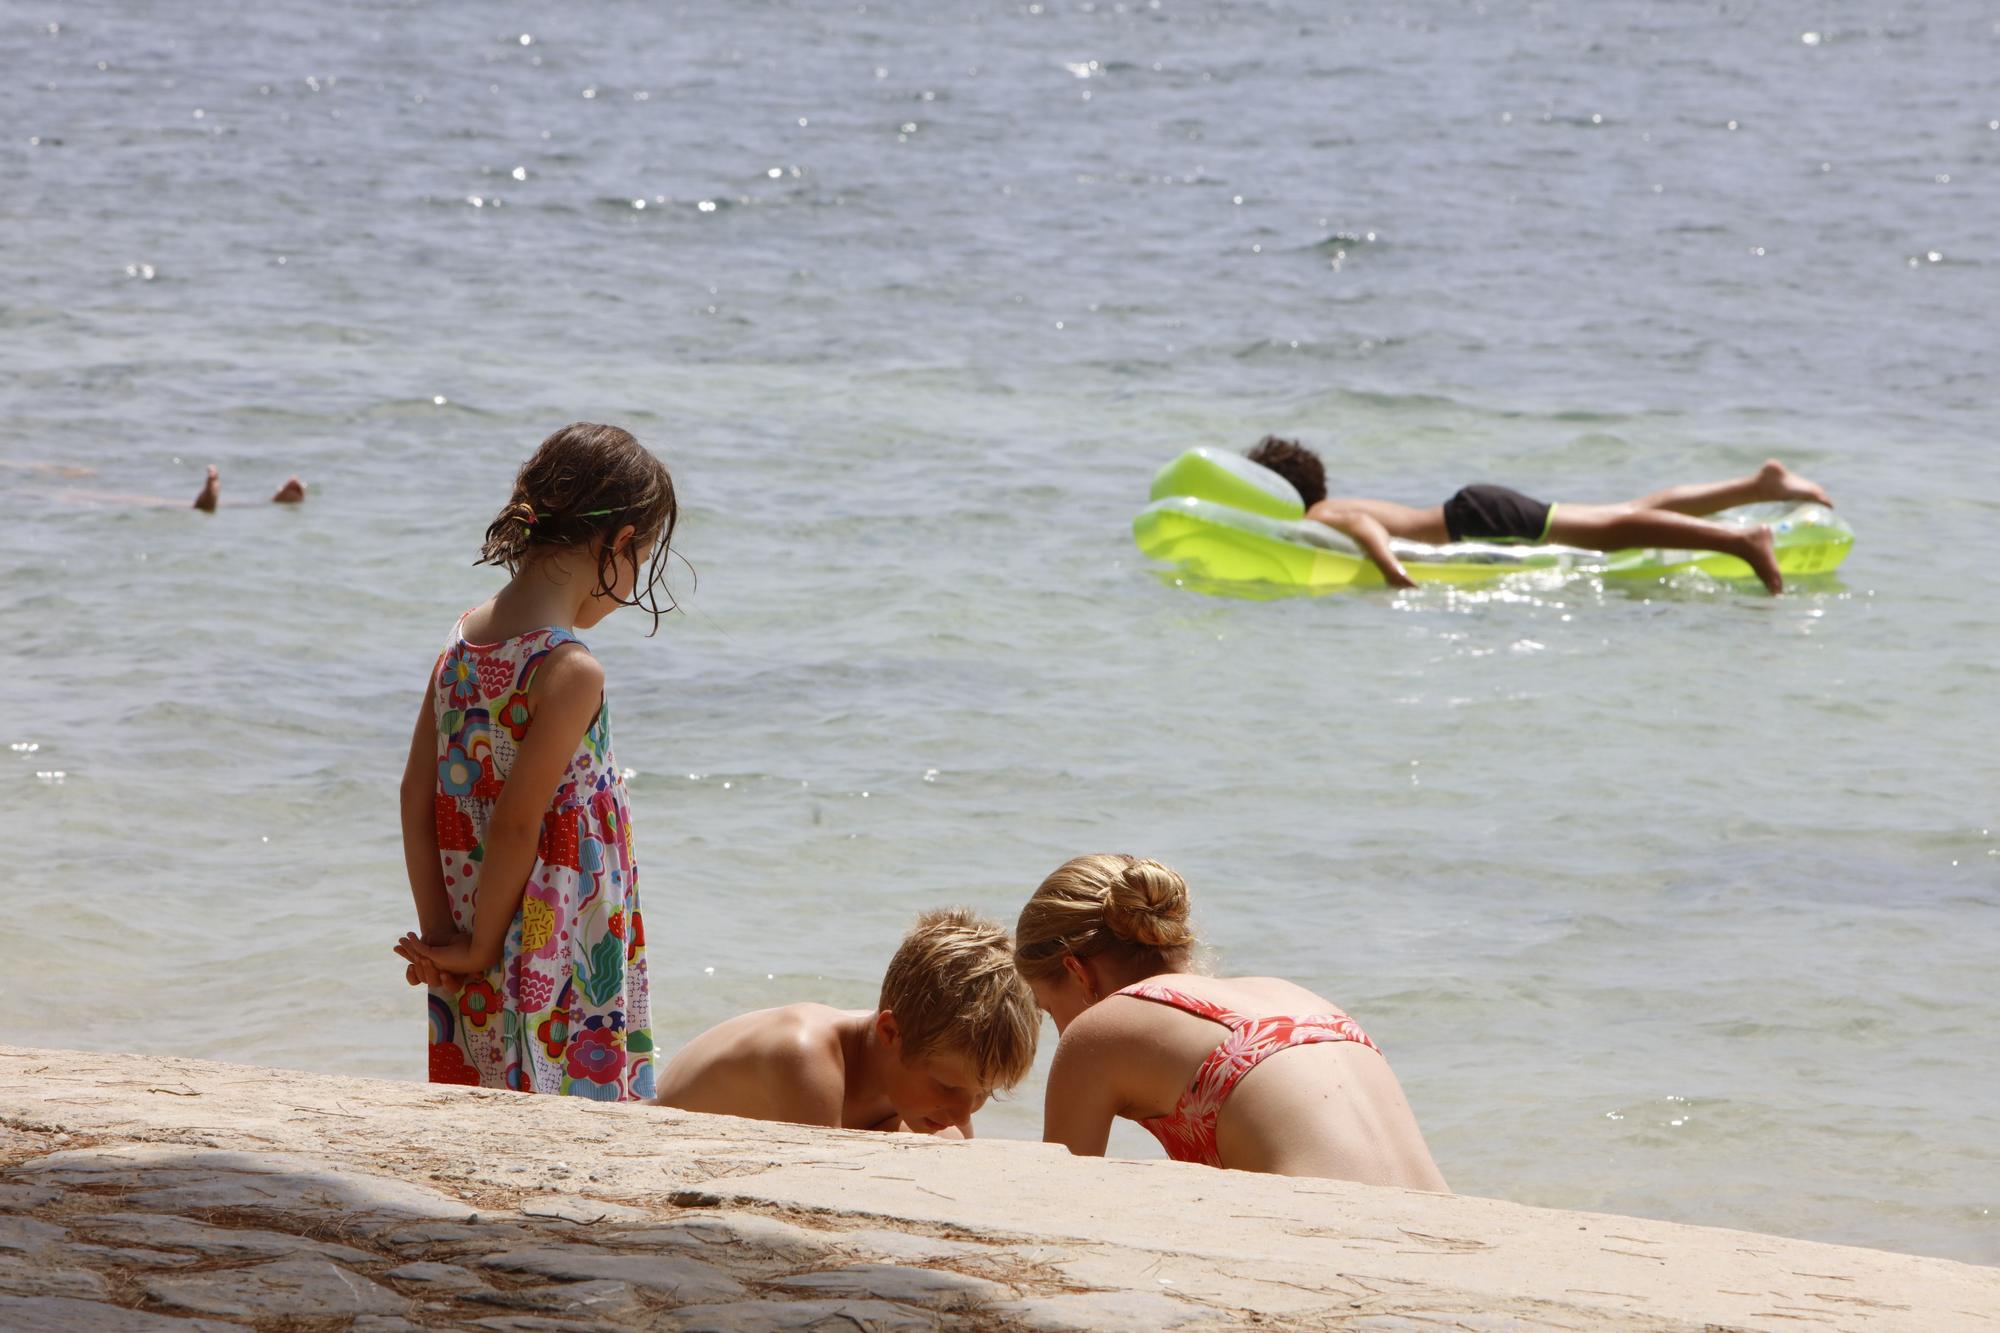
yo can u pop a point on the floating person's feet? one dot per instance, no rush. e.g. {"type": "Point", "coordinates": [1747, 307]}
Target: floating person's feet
{"type": "Point", "coordinates": [211, 490]}
{"type": "Point", "coordinates": [291, 493]}
{"type": "Point", "coordinates": [1778, 482]}
{"type": "Point", "coordinates": [1758, 550]}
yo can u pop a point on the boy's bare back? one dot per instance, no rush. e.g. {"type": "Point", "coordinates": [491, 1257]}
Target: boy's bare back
{"type": "Point", "coordinates": [954, 1021]}
{"type": "Point", "coordinates": [1398, 520]}
{"type": "Point", "coordinates": [788, 1063]}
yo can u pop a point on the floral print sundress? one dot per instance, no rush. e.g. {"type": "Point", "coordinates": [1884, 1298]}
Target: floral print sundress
{"type": "Point", "coordinates": [566, 1010]}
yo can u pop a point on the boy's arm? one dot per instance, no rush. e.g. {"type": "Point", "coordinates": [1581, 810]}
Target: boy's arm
{"type": "Point", "coordinates": [1373, 539]}
{"type": "Point", "coordinates": [571, 686]}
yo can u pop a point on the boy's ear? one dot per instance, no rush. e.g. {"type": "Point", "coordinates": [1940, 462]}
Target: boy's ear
{"type": "Point", "coordinates": [886, 1029]}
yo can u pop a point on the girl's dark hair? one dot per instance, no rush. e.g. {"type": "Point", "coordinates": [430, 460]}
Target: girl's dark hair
{"type": "Point", "coordinates": [585, 483]}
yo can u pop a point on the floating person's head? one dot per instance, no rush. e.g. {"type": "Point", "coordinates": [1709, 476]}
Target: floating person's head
{"type": "Point", "coordinates": [958, 1017]}
{"type": "Point", "coordinates": [595, 489]}
{"type": "Point", "coordinates": [1097, 924]}
{"type": "Point", "coordinates": [1295, 463]}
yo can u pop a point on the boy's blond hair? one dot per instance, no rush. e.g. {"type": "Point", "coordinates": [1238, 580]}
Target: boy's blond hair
{"type": "Point", "coordinates": [952, 987]}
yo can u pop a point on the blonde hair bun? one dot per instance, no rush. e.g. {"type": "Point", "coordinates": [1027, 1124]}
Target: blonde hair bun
{"type": "Point", "coordinates": [1147, 903]}
{"type": "Point", "coordinates": [1104, 901]}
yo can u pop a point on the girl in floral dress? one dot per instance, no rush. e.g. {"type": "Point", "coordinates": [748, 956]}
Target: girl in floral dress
{"type": "Point", "coordinates": [516, 830]}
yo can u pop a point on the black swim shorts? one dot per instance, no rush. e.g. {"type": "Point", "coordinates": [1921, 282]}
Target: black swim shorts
{"type": "Point", "coordinates": [1496, 514]}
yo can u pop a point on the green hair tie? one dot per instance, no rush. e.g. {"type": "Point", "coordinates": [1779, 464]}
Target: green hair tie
{"type": "Point", "coordinates": [533, 518]}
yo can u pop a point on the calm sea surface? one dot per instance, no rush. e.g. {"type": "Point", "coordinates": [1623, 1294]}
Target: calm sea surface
{"type": "Point", "coordinates": [1676, 901]}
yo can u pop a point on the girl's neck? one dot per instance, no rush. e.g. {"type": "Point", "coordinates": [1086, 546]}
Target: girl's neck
{"type": "Point", "coordinates": [550, 590]}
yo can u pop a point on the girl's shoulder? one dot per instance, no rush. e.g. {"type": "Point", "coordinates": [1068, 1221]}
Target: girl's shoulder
{"type": "Point", "coordinates": [480, 631]}
{"type": "Point", "coordinates": [482, 664]}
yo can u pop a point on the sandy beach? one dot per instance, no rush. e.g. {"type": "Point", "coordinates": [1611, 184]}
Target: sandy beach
{"type": "Point", "coordinates": [142, 1192]}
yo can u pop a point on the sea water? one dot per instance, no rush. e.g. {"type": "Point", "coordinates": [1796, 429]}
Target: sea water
{"type": "Point", "coordinates": [1665, 899]}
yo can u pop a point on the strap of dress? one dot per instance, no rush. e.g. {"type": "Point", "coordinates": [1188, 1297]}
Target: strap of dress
{"type": "Point", "coordinates": [1180, 999]}
{"type": "Point", "coordinates": [556, 638]}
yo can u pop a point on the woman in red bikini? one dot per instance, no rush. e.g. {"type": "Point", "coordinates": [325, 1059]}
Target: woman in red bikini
{"type": "Point", "coordinates": [1251, 1073]}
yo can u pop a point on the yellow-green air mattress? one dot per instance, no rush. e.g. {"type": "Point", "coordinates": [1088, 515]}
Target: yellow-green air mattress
{"type": "Point", "coordinates": [1218, 516]}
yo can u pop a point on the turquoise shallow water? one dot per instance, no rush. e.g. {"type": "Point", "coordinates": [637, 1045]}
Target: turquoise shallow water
{"type": "Point", "coordinates": [1672, 900]}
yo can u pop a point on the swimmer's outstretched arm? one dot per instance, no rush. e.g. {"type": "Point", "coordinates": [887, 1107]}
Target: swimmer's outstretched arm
{"type": "Point", "coordinates": [1373, 539]}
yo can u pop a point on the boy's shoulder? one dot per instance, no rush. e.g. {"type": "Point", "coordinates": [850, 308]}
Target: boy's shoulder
{"type": "Point", "coordinates": [783, 1063]}
{"type": "Point", "coordinates": [806, 1031]}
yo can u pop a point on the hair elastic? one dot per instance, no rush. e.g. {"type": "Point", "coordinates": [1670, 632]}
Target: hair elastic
{"type": "Point", "coordinates": [533, 518]}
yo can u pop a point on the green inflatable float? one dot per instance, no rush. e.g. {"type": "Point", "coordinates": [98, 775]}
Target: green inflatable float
{"type": "Point", "coordinates": [1219, 516]}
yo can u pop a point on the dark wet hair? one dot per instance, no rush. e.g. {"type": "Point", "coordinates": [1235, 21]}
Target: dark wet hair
{"type": "Point", "coordinates": [1296, 464]}
{"type": "Point", "coordinates": [582, 485]}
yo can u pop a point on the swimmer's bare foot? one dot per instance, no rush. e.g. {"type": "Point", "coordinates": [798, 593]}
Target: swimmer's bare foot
{"type": "Point", "coordinates": [1775, 481]}
{"type": "Point", "coordinates": [290, 493]}
{"type": "Point", "coordinates": [210, 491]}
{"type": "Point", "coordinates": [1757, 550]}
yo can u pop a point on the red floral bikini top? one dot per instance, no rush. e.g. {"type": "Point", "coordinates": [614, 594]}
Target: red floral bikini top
{"type": "Point", "coordinates": [1188, 1133]}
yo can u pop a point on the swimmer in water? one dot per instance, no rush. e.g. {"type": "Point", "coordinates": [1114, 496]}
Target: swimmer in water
{"type": "Point", "coordinates": [291, 493]}
{"type": "Point", "coordinates": [1673, 518]}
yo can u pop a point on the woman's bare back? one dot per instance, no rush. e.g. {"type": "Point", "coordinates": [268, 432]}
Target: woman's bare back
{"type": "Point", "coordinates": [1326, 1108]}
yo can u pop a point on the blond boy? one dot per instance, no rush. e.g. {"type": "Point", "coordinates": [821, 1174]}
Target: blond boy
{"type": "Point", "coordinates": [954, 1022]}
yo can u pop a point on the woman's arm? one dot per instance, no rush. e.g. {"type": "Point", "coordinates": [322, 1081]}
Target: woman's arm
{"type": "Point", "coordinates": [1082, 1093]}
{"type": "Point", "coordinates": [568, 691]}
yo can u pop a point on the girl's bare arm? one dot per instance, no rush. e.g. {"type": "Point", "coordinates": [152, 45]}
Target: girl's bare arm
{"type": "Point", "coordinates": [568, 691]}
{"type": "Point", "coordinates": [419, 802]}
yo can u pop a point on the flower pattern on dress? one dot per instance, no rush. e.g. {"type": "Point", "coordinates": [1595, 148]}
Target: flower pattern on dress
{"type": "Point", "coordinates": [456, 772]}
{"type": "Point", "coordinates": [458, 678]}
{"type": "Point", "coordinates": [570, 992]}
{"type": "Point", "coordinates": [514, 716]}
{"type": "Point", "coordinates": [553, 1033]}
{"type": "Point", "coordinates": [597, 1054]}
{"type": "Point", "coordinates": [478, 1002]}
